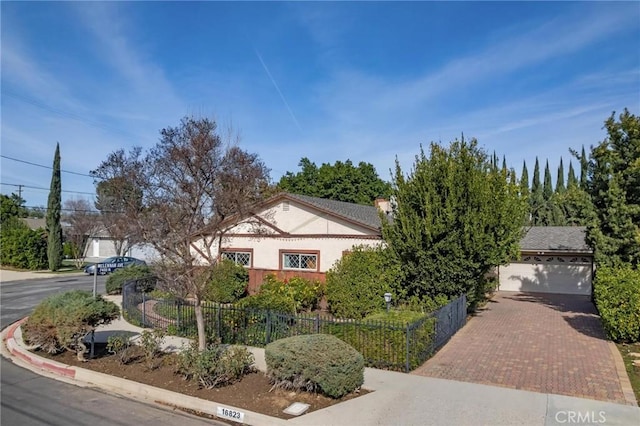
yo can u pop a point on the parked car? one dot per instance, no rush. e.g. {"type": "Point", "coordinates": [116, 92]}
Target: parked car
{"type": "Point", "coordinates": [111, 264]}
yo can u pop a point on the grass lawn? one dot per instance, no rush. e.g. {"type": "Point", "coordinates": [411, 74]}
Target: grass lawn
{"type": "Point", "coordinates": [633, 372]}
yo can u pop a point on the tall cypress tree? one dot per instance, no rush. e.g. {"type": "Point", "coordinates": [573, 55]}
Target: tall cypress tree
{"type": "Point", "coordinates": [524, 180]}
{"type": "Point", "coordinates": [536, 201]}
{"type": "Point", "coordinates": [560, 188]}
{"type": "Point", "coordinates": [572, 181]}
{"type": "Point", "coordinates": [584, 168]}
{"type": "Point", "coordinates": [54, 205]}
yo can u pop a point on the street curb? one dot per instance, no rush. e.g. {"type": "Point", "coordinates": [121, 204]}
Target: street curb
{"type": "Point", "coordinates": [12, 340]}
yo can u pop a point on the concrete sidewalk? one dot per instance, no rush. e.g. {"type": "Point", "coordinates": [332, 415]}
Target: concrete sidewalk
{"type": "Point", "coordinates": [397, 398]}
{"type": "Point", "coordinates": [8, 275]}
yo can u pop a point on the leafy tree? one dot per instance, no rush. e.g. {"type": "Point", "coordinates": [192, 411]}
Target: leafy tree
{"type": "Point", "coordinates": [614, 187]}
{"type": "Point", "coordinates": [187, 186]}
{"type": "Point", "coordinates": [81, 220]}
{"type": "Point", "coordinates": [11, 208]}
{"type": "Point", "coordinates": [340, 181]}
{"type": "Point", "coordinates": [54, 205]}
{"type": "Point", "coordinates": [456, 218]}
{"type": "Point", "coordinates": [119, 197]}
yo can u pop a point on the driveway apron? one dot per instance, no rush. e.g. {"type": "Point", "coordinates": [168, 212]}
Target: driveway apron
{"type": "Point", "coordinates": [533, 341]}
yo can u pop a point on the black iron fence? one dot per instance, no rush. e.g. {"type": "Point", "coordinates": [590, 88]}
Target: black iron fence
{"type": "Point", "coordinates": [392, 345]}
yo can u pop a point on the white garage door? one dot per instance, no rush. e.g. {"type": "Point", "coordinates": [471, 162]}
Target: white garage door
{"type": "Point", "coordinates": [548, 274]}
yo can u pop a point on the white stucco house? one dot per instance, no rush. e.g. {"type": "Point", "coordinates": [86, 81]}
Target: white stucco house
{"type": "Point", "coordinates": [100, 245]}
{"type": "Point", "coordinates": [291, 234]}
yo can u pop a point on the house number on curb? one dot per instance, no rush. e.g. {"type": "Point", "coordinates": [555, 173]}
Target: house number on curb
{"type": "Point", "coordinates": [230, 414]}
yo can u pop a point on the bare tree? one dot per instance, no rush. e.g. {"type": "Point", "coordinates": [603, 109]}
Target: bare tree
{"type": "Point", "coordinates": [119, 196]}
{"type": "Point", "coordinates": [81, 220]}
{"type": "Point", "coordinates": [190, 183]}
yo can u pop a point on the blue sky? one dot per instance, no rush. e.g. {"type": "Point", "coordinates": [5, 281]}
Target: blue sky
{"type": "Point", "coordinates": [366, 81]}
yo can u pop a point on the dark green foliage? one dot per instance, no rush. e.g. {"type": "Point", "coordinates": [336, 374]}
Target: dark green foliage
{"type": "Point", "coordinates": [11, 207]}
{"type": "Point", "coordinates": [617, 295]}
{"type": "Point", "coordinates": [614, 187]}
{"type": "Point", "coordinates": [572, 181]}
{"type": "Point", "coordinates": [536, 201]}
{"type": "Point", "coordinates": [315, 363]}
{"type": "Point", "coordinates": [22, 247]}
{"type": "Point", "coordinates": [61, 321]}
{"type": "Point", "coordinates": [228, 282]}
{"type": "Point", "coordinates": [117, 278]}
{"type": "Point", "coordinates": [584, 169]}
{"type": "Point", "coordinates": [456, 218]}
{"type": "Point", "coordinates": [357, 283]}
{"type": "Point", "coordinates": [217, 365]}
{"type": "Point", "coordinates": [341, 182]}
{"type": "Point", "coordinates": [54, 206]}
{"type": "Point", "coordinates": [560, 188]}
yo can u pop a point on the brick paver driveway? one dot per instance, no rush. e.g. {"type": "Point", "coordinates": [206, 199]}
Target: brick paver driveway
{"type": "Point", "coordinates": [538, 342]}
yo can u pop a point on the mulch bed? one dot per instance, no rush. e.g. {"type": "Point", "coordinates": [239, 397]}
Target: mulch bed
{"type": "Point", "coordinates": [253, 392]}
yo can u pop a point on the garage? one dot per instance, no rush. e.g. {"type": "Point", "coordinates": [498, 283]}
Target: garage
{"type": "Point", "coordinates": [554, 259]}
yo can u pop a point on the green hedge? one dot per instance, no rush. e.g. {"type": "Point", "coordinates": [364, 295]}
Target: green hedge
{"type": "Point", "coordinates": [357, 282]}
{"type": "Point", "coordinates": [117, 278]}
{"type": "Point", "coordinates": [315, 362]}
{"type": "Point", "coordinates": [228, 282]}
{"type": "Point", "coordinates": [22, 247]}
{"type": "Point", "coordinates": [617, 295]}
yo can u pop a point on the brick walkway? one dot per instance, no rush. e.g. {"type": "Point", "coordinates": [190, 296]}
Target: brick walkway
{"type": "Point", "coordinates": [541, 343]}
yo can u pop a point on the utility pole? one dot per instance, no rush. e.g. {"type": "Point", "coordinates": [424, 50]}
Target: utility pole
{"type": "Point", "coordinates": [20, 191]}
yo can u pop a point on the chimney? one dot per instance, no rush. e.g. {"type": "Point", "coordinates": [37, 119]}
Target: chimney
{"type": "Point", "coordinates": [383, 204]}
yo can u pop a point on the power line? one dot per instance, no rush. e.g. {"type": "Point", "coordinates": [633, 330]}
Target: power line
{"type": "Point", "coordinates": [44, 189]}
{"type": "Point", "coordinates": [40, 165]}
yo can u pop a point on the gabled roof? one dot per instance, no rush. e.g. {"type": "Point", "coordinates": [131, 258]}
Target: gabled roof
{"type": "Point", "coordinates": [367, 216]}
{"type": "Point", "coordinates": [556, 238]}
{"type": "Point", "coordinates": [35, 223]}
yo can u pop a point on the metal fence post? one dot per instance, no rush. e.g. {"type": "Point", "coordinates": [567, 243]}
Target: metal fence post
{"type": "Point", "coordinates": [407, 365]}
{"type": "Point", "coordinates": [144, 311]}
{"type": "Point", "coordinates": [268, 334]}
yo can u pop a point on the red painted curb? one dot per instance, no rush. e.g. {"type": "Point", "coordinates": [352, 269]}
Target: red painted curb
{"type": "Point", "coordinates": [50, 366]}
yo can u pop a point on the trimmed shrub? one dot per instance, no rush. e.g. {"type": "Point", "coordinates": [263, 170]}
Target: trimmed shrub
{"type": "Point", "coordinates": [116, 280]}
{"type": "Point", "coordinates": [22, 247]}
{"type": "Point", "coordinates": [357, 282]}
{"type": "Point", "coordinates": [120, 346]}
{"type": "Point", "coordinates": [216, 366]}
{"type": "Point", "coordinates": [228, 282]}
{"type": "Point", "coordinates": [617, 295]}
{"type": "Point", "coordinates": [291, 295]}
{"type": "Point", "coordinates": [151, 344]}
{"type": "Point", "coordinates": [61, 321]}
{"type": "Point", "coordinates": [315, 363]}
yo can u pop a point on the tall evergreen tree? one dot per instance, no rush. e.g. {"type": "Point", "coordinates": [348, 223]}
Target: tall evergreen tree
{"type": "Point", "coordinates": [560, 188]}
{"type": "Point", "coordinates": [584, 169]}
{"type": "Point", "coordinates": [54, 206]}
{"type": "Point", "coordinates": [614, 186]}
{"type": "Point", "coordinates": [572, 181]}
{"type": "Point", "coordinates": [546, 215]}
{"type": "Point", "coordinates": [525, 192]}
{"type": "Point", "coordinates": [536, 201]}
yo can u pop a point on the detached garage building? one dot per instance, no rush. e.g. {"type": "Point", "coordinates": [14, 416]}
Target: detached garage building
{"type": "Point", "coordinates": [554, 259]}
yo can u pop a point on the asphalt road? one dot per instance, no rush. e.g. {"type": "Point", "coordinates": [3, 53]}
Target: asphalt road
{"type": "Point", "coordinates": [29, 399]}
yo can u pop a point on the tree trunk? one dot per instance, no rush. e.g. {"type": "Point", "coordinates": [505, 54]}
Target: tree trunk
{"type": "Point", "coordinates": [202, 338]}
